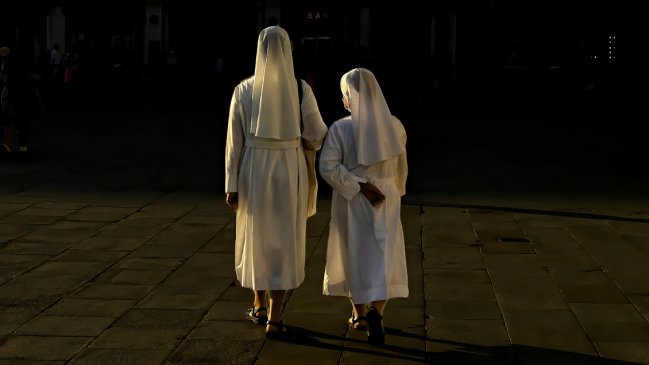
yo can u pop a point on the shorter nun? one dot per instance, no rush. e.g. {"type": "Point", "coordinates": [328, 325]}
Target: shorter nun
{"type": "Point", "coordinates": [364, 160]}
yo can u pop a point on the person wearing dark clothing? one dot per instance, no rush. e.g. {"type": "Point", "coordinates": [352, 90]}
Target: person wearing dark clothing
{"type": "Point", "coordinates": [19, 100]}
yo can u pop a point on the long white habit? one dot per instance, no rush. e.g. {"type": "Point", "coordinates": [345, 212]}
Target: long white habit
{"type": "Point", "coordinates": [265, 164]}
{"type": "Point", "coordinates": [365, 251]}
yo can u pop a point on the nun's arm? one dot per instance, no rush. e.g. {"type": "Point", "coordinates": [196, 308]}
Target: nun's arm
{"type": "Point", "coordinates": [234, 144]}
{"type": "Point", "coordinates": [315, 128]}
{"type": "Point", "coordinates": [333, 170]}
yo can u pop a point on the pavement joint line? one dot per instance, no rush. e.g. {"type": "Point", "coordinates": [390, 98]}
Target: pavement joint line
{"type": "Point", "coordinates": [486, 267]}
{"type": "Point", "coordinates": [607, 274]}
{"type": "Point", "coordinates": [556, 284]}
{"type": "Point", "coordinates": [567, 214]}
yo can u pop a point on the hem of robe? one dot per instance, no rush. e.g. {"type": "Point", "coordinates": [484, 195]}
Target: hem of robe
{"type": "Point", "coordinates": [269, 287]}
{"type": "Point", "coordinates": [370, 295]}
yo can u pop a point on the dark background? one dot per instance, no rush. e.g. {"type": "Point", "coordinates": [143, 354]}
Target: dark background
{"type": "Point", "coordinates": [496, 95]}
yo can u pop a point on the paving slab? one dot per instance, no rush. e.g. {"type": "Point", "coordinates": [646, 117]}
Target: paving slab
{"type": "Point", "coordinates": [556, 330]}
{"type": "Point", "coordinates": [30, 362]}
{"type": "Point", "coordinates": [163, 319]}
{"type": "Point", "coordinates": [214, 351]}
{"type": "Point", "coordinates": [163, 299]}
{"type": "Point", "coordinates": [103, 242]}
{"type": "Point", "coordinates": [319, 352]}
{"type": "Point", "coordinates": [72, 307]}
{"type": "Point", "coordinates": [453, 258]}
{"type": "Point", "coordinates": [483, 332]}
{"type": "Point", "coordinates": [12, 265]}
{"type": "Point", "coordinates": [112, 291]}
{"type": "Point", "coordinates": [11, 231]}
{"type": "Point", "coordinates": [466, 292]}
{"type": "Point", "coordinates": [145, 263]}
{"type": "Point", "coordinates": [56, 235]}
{"type": "Point", "coordinates": [462, 310]}
{"type": "Point", "coordinates": [135, 227]}
{"type": "Point", "coordinates": [235, 330]}
{"type": "Point", "coordinates": [51, 325]}
{"type": "Point", "coordinates": [7, 328]}
{"type": "Point", "coordinates": [42, 347]}
{"type": "Point", "coordinates": [94, 356]}
{"type": "Point", "coordinates": [138, 339]}
{"type": "Point", "coordinates": [528, 293]}
{"type": "Point", "coordinates": [635, 352]}
{"type": "Point", "coordinates": [36, 248]}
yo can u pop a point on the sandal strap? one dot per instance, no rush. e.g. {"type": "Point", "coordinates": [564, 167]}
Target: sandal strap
{"type": "Point", "coordinates": [279, 324]}
{"type": "Point", "coordinates": [373, 309]}
{"type": "Point", "coordinates": [279, 332]}
{"type": "Point", "coordinates": [253, 315]}
{"type": "Point", "coordinates": [358, 319]}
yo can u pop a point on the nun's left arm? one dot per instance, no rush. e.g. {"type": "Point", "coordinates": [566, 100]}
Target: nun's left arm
{"type": "Point", "coordinates": [402, 169]}
{"type": "Point", "coordinates": [315, 128]}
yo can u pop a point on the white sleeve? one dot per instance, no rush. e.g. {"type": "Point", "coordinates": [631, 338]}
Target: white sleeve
{"type": "Point", "coordinates": [315, 128]}
{"type": "Point", "coordinates": [332, 169]}
{"type": "Point", "coordinates": [234, 144]}
{"type": "Point", "coordinates": [402, 169]}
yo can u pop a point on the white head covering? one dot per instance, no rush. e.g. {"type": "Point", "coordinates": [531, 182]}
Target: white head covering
{"type": "Point", "coordinates": [378, 134]}
{"type": "Point", "coordinates": [275, 111]}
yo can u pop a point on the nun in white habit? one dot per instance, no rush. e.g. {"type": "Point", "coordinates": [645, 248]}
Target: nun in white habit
{"type": "Point", "coordinates": [364, 160]}
{"type": "Point", "coordinates": [266, 175]}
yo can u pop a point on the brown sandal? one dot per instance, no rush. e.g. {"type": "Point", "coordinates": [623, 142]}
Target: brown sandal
{"type": "Point", "coordinates": [279, 333]}
{"type": "Point", "coordinates": [375, 330]}
{"type": "Point", "coordinates": [252, 314]}
{"type": "Point", "coordinates": [359, 323]}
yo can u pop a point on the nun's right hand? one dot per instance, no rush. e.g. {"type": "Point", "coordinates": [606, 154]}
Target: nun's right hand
{"type": "Point", "coordinates": [372, 193]}
{"type": "Point", "coordinates": [232, 199]}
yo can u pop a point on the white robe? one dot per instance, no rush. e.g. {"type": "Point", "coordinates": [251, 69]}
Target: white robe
{"type": "Point", "coordinates": [366, 257]}
{"type": "Point", "coordinates": [271, 181]}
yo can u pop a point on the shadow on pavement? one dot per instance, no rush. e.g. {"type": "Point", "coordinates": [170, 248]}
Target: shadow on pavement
{"type": "Point", "coordinates": [450, 352]}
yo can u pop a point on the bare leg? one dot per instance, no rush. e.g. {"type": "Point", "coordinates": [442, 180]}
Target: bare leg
{"type": "Point", "coordinates": [275, 310]}
{"type": "Point", "coordinates": [379, 305]}
{"type": "Point", "coordinates": [358, 311]}
{"type": "Point", "coordinates": [259, 298]}
{"type": "Point", "coordinates": [375, 330]}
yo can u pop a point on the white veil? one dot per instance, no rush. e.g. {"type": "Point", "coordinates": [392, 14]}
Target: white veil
{"type": "Point", "coordinates": [275, 111]}
{"type": "Point", "coordinates": [378, 134]}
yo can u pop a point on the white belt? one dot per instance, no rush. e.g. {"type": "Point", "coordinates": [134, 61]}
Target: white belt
{"type": "Point", "coordinates": [273, 145]}
{"type": "Point", "coordinates": [382, 181]}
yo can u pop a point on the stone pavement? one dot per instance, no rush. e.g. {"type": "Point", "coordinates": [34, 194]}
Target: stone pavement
{"type": "Point", "coordinates": [527, 243]}
{"type": "Point", "coordinates": [139, 277]}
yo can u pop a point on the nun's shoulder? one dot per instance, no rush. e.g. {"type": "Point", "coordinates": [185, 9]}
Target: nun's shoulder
{"type": "Point", "coordinates": [341, 124]}
{"type": "Point", "coordinates": [245, 85]}
{"type": "Point", "coordinates": [306, 88]}
{"type": "Point", "coordinates": [398, 122]}
{"type": "Point", "coordinates": [400, 128]}
{"type": "Point", "coordinates": [247, 82]}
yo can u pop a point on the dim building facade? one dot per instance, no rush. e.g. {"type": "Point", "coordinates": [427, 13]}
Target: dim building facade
{"type": "Point", "coordinates": [415, 45]}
